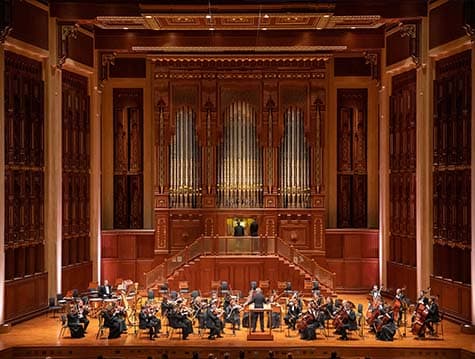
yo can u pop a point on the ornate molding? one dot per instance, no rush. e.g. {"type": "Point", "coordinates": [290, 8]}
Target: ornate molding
{"type": "Point", "coordinates": [4, 33]}
{"type": "Point", "coordinates": [371, 59]}
{"type": "Point", "coordinates": [470, 31]}
{"type": "Point", "coordinates": [67, 32]}
{"type": "Point", "coordinates": [107, 60]}
{"type": "Point", "coordinates": [410, 31]}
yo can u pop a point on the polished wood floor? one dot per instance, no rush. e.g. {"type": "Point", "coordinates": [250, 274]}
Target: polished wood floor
{"type": "Point", "coordinates": [42, 332]}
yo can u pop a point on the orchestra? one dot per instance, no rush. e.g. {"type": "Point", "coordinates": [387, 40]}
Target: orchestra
{"type": "Point", "coordinates": [119, 311]}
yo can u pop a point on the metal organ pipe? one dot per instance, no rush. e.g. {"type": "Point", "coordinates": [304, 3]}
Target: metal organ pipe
{"type": "Point", "coordinates": [294, 161]}
{"type": "Point", "coordinates": [185, 158]}
{"type": "Point", "coordinates": [239, 159]}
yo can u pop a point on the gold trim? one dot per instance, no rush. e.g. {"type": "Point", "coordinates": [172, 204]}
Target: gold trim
{"type": "Point", "coordinates": [23, 48]}
{"type": "Point", "coordinates": [258, 49]}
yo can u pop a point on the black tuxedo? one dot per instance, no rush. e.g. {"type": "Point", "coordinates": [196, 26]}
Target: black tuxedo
{"type": "Point", "coordinates": [105, 291]}
{"type": "Point", "coordinates": [238, 231]}
{"type": "Point", "coordinates": [254, 229]}
{"type": "Point", "coordinates": [258, 299]}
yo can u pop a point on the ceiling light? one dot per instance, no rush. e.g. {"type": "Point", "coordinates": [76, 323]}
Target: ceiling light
{"type": "Point", "coordinates": [264, 28]}
{"type": "Point", "coordinates": [148, 16]}
{"type": "Point", "coordinates": [126, 28]}
{"type": "Point", "coordinates": [353, 27]}
{"type": "Point", "coordinates": [208, 16]}
{"type": "Point", "coordinates": [211, 28]}
{"type": "Point", "coordinates": [266, 16]}
{"type": "Point", "coordinates": [326, 15]}
{"type": "Point", "coordinates": [319, 28]}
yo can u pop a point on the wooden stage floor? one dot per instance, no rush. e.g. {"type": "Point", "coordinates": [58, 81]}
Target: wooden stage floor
{"type": "Point", "coordinates": [38, 338]}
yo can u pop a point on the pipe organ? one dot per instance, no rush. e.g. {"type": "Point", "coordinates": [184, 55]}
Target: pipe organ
{"type": "Point", "coordinates": [239, 182]}
{"type": "Point", "coordinates": [294, 165]}
{"type": "Point", "coordinates": [239, 138]}
{"type": "Point", "coordinates": [185, 166]}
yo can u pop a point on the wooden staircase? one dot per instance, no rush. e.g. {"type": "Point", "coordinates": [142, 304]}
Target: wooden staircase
{"type": "Point", "coordinates": [210, 259]}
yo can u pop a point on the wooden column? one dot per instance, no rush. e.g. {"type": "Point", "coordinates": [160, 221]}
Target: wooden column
{"type": "Point", "coordinates": [53, 156]}
{"type": "Point", "coordinates": [95, 186]}
{"type": "Point", "coordinates": [384, 198]}
{"type": "Point", "coordinates": [2, 185]}
{"type": "Point", "coordinates": [423, 163]}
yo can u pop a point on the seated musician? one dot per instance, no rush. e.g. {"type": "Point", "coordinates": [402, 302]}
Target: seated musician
{"type": "Point", "coordinates": [294, 310]}
{"type": "Point", "coordinates": [309, 322]}
{"type": "Point", "coordinates": [198, 307]}
{"type": "Point", "coordinates": [275, 316]}
{"type": "Point", "coordinates": [433, 315]}
{"type": "Point", "coordinates": [329, 309]}
{"type": "Point", "coordinates": [83, 311]}
{"type": "Point", "coordinates": [148, 320]}
{"type": "Point", "coordinates": [232, 314]}
{"type": "Point", "coordinates": [213, 321]}
{"type": "Point", "coordinates": [105, 291]}
{"type": "Point", "coordinates": [112, 322]}
{"type": "Point", "coordinates": [179, 318]}
{"type": "Point", "coordinates": [345, 320]}
{"type": "Point", "coordinates": [74, 325]}
{"type": "Point", "coordinates": [385, 327]}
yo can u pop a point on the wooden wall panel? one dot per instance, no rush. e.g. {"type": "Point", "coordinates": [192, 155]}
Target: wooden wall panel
{"type": "Point", "coordinates": [76, 277]}
{"type": "Point", "coordinates": [351, 66]}
{"type": "Point", "coordinates": [128, 157]}
{"type": "Point", "coordinates": [397, 48]}
{"type": "Point", "coordinates": [353, 255]}
{"type": "Point", "coordinates": [451, 168]}
{"type": "Point", "coordinates": [76, 168]}
{"type": "Point", "coordinates": [454, 298]}
{"type": "Point", "coordinates": [30, 23]}
{"type": "Point", "coordinates": [446, 23]}
{"type": "Point", "coordinates": [402, 218]}
{"type": "Point", "coordinates": [126, 254]}
{"type": "Point", "coordinates": [352, 107]}
{"type": "Point", "coordinates": [25, 297]}
{"type": "Point", "coordinates": [399, 276]}
{"type": "Point", "coordinates": [128, 68]}
{"type": "Point", "coordinates": [81, 49]}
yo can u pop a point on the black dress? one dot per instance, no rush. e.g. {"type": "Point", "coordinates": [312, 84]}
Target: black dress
{"type": "Point", "coordinates": [74, 325]}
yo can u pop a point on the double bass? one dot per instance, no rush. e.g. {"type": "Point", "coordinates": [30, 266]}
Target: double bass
{"type": "Point", "coordinates": [419, 325]}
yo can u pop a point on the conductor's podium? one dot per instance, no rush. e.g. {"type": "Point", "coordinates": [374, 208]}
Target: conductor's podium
{"type": "Point", "coordinates": [258, 335]}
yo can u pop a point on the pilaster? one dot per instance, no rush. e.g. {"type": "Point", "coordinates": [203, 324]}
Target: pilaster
{"type": "Point", "coordinates": [472, 199]}
{"type": "Point", "coordinates": [423, 161]}
{"type": "Point", "coordinates": [53, 157]}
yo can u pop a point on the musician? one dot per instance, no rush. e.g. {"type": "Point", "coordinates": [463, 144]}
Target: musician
{"type": "Point", "coordinates": [179, 318]}
{"type": "Point", "coordinates": [213, 322]}
{"type": "Point", "coordinates": [199, 306]}
{"type": "Point", "coordinates": [433, 316]}
{"type": "Point", "coordinates": [294, 310]}
{"type": "Point", "coordinates": [385, 327]}
{"type": "Point", "coordinates": [232, 314]}
{"type": "Point", "coordinates": [346, 320]}
{"type": "Point", "coordinates": [275, 318]}
{"type": "Point", "coordinates": [74, 325]}
{"type": "Point", "coordinates": [328, 309]}
{"type": "Point", "coordinates": [258, 299]}
{"type": "Point", "coordinates": [308, 324]}
{"type": "Point", "coordinates": [400, 304]}
{"type": "Point", "coordinates": [375, 293]}
{"type": "Point", "coordinates": [148, 320]}
{"type": "Point", "coordinates": [83, 311]}
{"type": "Point", "coordinates": [112, 322]}
{"type": "Point", "coordinates": [105, 291]}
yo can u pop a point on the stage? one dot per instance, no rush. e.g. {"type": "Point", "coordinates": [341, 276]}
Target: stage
{"type": "Point", "coordinates": [38, 338]}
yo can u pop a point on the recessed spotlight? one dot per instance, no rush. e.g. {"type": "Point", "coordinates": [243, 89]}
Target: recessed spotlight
{"type": "Point", "coordinates": [353, 27]}
{"type": "Point", "coordinates": [208, 16]}
{"type": "Point", "coordinates": [326, 15]}
{"type": "Point", "coordinates": [125, 28]}
{"type": "Point", "coordinates": [266, 16]}
{"type": "Point", "coordinates": [319, 28]}
{"type": "Point", "coordinates": [264, 28]}
{"type": "Point", "coordinates": [211, 28]}
{"type": "Point", "coordinates": [148, 16]}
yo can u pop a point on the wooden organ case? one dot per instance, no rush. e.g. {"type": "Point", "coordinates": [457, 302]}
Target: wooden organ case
{"type": "Point", "coordinates": [242, 138]}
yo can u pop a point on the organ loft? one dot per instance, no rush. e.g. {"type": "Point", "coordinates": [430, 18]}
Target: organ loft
{"type": "Point", "coordinates": [179, 145]}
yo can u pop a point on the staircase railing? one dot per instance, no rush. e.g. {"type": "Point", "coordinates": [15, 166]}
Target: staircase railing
{"type": "Point", "coordinates": [293, 255]}
{"type": "Point", "coordinates": [230, 245]}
